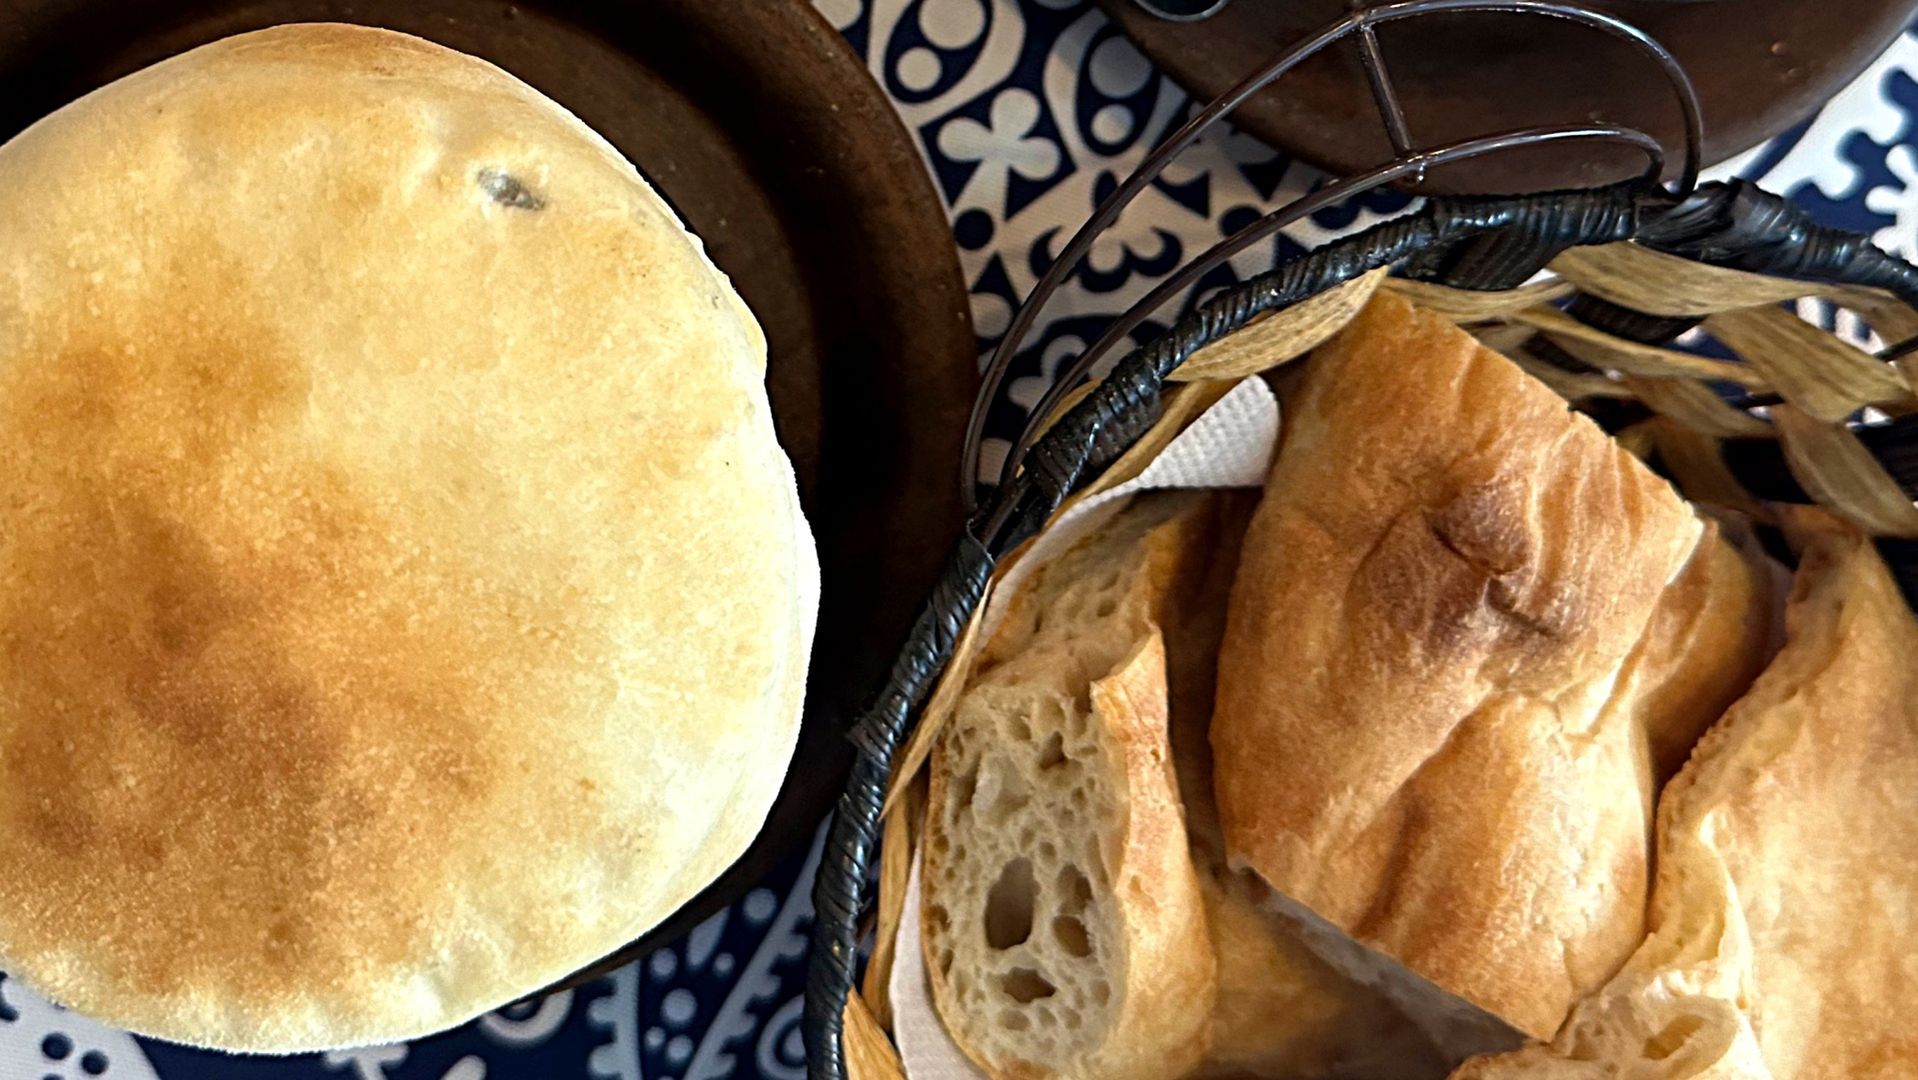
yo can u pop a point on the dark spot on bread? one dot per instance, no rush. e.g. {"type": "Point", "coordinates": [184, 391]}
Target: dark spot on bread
{"type": "Point", "coordinates": [507, 190]}
{"type": "Point", "coordinates": [1484, 525]}
{"type": "Point", "coordinates": [1464, 572]}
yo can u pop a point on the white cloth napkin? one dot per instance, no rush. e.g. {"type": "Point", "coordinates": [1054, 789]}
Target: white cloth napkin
{"type": "Point", "coordinates": [1229, 446]}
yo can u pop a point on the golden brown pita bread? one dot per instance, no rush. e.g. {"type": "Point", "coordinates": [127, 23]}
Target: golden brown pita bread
{"type": "Point", "coordinates": [406, 601]}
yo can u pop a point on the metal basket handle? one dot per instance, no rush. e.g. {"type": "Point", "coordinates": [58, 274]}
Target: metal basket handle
{"type": "Point", "coordinates": [1409, 161]}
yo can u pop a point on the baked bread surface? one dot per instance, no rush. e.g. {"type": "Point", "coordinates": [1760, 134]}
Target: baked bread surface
{"type": "Point", "coordinates": [1787, 891]}
{"type": "Point", "coordinates": [406, 600]}
{"type": "Point", "coordinates": [1450, 655]}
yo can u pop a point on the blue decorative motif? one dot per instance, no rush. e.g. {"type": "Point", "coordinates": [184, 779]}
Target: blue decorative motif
{"type": "Point", "coordinates": [1028, 112]}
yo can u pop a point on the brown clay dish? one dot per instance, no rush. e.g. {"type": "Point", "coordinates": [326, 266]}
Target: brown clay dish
{"type": "Point", "coordinates": [1759, 65]}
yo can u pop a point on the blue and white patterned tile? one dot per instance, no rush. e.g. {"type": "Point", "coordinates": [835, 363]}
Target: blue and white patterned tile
{"type": "Point", "coordinates": [1027, 111]}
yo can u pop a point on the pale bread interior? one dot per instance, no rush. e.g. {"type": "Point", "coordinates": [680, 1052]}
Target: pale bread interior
{"type": "Point", "coordinates": [1053, 810]}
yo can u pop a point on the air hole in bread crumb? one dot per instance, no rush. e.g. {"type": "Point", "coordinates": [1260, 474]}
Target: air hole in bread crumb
{"type": "Point", "coordinates": [1673, 1038]}
{"type": "Point", "coordinates": [1025, 985]}
{"type": "Point", "coordinates": [1009, 905]}
{"type": "Point", "coordinates": [1101, 993]}
{"type": "Point", "coordinates": [1006, 806]}
{"type": "Point", "coordinates": [1053, 753]}
{"type": "Point", "coordinates": [1075, 892]}
{"type": "Point", "coordinates": [1004, 794]}
{"type": "Point", "coordinates": [1048, 851]}
{"type": "Point", "coordinates": [945, 962]}
{"type": "Point", "coordinates": [1071, 935]}
{"type": "Point", "coordinates": [1107, 605]}
{"type": "Point", "coordinates": [1013, 1020]}
{"type": "Point", "coordinates": [1019, 729]}
{"type": "Point", "coordinates": [964, 786]}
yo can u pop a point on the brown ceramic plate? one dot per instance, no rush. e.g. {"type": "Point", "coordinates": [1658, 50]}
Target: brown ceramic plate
{"type": "Point", "coordinates": [1759, 65]}
{"type": "Point", "coordinates": [766, 132]}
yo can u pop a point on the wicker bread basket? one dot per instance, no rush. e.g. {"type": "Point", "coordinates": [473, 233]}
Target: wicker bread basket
{"type": "Point", "coordinates": [1796, 414]}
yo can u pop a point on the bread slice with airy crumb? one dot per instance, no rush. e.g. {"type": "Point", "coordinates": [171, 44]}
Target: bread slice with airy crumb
{"type": "Point", "coordinates": [1080, 918]}
{"type": "Point", "coordinates": [1064, 928]}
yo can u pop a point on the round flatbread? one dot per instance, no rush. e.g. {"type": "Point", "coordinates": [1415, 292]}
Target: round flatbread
{"type": "Point", "coordinates": [403, 598]}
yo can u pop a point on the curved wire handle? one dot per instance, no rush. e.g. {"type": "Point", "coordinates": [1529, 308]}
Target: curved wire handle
{"type": "Point", "coordinates": [1408, 161]}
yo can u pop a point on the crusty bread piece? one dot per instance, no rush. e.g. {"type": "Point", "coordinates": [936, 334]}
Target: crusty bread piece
{"type": "Point", "coordinates": [1274, 1009]}
{"type": "Point", "coordinates": [1064, 930]}
{"type": "Point", "coordinates": [1432, 729]}
{"type": "Point", "coordinates": [1786, 904]}
{"type": "Point", "coordinates": [405, 600]}
{"type": "Point", "coordinates": [1710, 636]}
{"type": "Point", "coordinates": [1281, 1011]}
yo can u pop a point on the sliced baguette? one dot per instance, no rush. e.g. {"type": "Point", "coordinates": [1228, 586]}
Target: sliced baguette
{"type": "Point", "coordinates": [1064, 929]}
{"type": "Point", "coordinates": [1279, 1011]}
{"type": "Point", "coordinates": [1200, 975]}
{"type": "Point", "coordinates": [1716, 628]}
